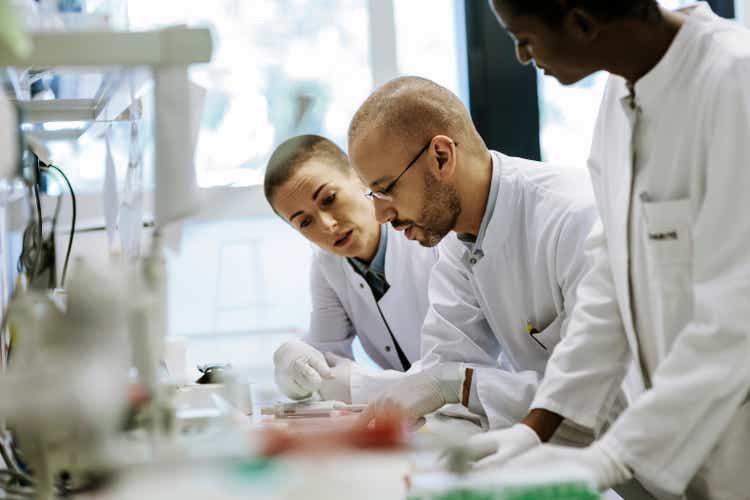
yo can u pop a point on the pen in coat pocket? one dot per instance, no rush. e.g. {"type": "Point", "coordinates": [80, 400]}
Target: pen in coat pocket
{"type": "Point", "coordinates": [532, 330]}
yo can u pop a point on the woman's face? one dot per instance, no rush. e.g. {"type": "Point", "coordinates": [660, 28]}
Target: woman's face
{"type": "Point", "coordinates": [327, 205]}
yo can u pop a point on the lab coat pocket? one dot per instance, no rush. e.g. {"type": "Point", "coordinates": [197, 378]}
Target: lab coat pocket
{"type": "Point", "coordinates": [668, 235]}
{"type": "Point", "coordinates": [547, 338]}
{"type": "Point", "coordinates": [669, 252]}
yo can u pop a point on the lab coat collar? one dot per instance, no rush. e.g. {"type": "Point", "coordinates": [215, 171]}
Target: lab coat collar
{"type": "Point", "coordinates": [651, 87]}
{"type": "Point", "coordinates": [378, 263]}
{"type": "Point", "coordinates": [394, 251]}
{"type": "Point", "coordinates": [475, 252]}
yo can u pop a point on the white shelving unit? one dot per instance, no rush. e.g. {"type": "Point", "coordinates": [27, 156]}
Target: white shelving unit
{"type": "Point", "coordinates": [164, 56]}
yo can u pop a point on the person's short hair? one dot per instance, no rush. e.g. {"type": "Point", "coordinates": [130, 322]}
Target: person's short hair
{"type": "Point", "coordinates": [552, 12]}
{"type": "Point", "coordinates": [294, 153]}
{"type": "Point", "coordinates": [414, 109]}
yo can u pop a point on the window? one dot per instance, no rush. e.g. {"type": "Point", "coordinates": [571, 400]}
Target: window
{"type": "Point", "coordinates": [237, 289]}
{"type": "Point", "coordinates": [280, 68]}
{"type": "Point", "coordinates": [567, 117]}
{"type": "Point", "coordinates": [239, 276]}
{"type": "Point", "coordinates": [433, 49]}
{"type": "Point", "coordinates": [238, 286]}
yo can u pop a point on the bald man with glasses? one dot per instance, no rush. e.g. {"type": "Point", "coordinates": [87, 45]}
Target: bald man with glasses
{"type": "Point", "coordinates": [511, 234]}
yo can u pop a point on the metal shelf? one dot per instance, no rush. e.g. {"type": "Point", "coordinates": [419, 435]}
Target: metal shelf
{"type": "Point", "coordinates": [177, 46]}
{"type": "Point", "coordinates": [101, 52]}
{"type": "Point", "coordinates": [165, 55]}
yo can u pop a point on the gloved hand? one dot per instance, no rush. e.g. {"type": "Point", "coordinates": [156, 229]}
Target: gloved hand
{"type": "Point", "coordinates": [604, 468]}
{"type": "Point", "coordinates": [338, 387]}
{"type": "Point", "coordinates": [491, 449]}
{"type": "Point", "coordinates": [418, 394]}
{"type": "Point", "coordinates": [299, 369]}
{"type": "Point", "coordinates": [494, 448]}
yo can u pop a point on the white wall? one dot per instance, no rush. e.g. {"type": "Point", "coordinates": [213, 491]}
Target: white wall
{"type": "Point", "coordinates": [744, 11]}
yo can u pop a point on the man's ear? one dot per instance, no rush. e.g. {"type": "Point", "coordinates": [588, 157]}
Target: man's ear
{"type": "Point", "coordinates": [444, 149]}
{"type": "Point", "coordinates": [581, 25]}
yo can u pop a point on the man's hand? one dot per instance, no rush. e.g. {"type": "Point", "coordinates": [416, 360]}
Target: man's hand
{"type": "Point", "coordinates": [339, 386]}
{"type": "Point", "coordinates": [495, 448]}
{"type": "Point", "coordinates": [603, 467]}
{"type": "Point", "coordinates": [418, 394]}
{"type": "Point", "coordinates": [299, 369]}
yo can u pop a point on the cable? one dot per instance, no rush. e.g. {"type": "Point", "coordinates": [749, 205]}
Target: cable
{"type": "Point", "coordinates": [72, 224]}
{"type": "Point", "coordinates": [32, 252]}
{"type": "Point", "coordinates": [39, 219]}
{"type": "Point", "coordinates": [35, 248]}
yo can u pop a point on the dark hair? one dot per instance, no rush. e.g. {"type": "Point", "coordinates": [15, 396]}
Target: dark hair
{"type": "Point", "coordinates": [293, 153]}
{"type": "Point", "coordinates": [553, 11]}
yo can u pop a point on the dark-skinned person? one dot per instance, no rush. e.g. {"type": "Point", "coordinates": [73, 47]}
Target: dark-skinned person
{"type": "Point", "coordinates": [668, 297]}
{"type": "Point", "coordinates": [510, 233]}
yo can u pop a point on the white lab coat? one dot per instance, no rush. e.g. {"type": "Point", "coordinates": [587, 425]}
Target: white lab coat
{"type": "Point", "coordinates": [344, 306]}
{"type": "Point", "coordinates": [670, 285]}
{"type": "Point", "coordinates": [532, 261]}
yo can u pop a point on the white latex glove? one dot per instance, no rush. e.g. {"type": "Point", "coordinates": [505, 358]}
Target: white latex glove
{"type": "Point", "coordinates": [299, 369]}
{"type": "Point", "coordinates": [494, 448]}
{"type": "Point", "coordinates": [338, 387]}
{"type": "Point", "coordinates": [604, 468]}
{"type": "Point", "coordinates": [418, 394]}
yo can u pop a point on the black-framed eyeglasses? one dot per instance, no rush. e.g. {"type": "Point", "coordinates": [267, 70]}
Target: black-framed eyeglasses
{"type": "Point", "coordinates": [385, 194]}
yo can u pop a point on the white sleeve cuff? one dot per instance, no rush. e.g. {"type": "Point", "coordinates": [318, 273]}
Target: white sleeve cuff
{"type": "Point", "coordinates": [611, 469]}
{"type": "Point", "coordinates": [366, 385]}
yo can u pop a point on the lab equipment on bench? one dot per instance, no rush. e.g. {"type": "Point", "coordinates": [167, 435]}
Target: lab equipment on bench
{"type": "Point", "coordinates": [312, 409]}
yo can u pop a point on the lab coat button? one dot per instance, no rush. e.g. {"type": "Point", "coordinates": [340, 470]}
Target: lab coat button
{"type": "Point", "coordinates": [473, 260]}
{"type": "Point", "coordinates": [387, 348]}
{"type": "Point", "coordinates": [361, 285]}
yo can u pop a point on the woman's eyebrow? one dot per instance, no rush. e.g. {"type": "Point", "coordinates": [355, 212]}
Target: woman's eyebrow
{"type": "Point", "coordinates": [317, 191]}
